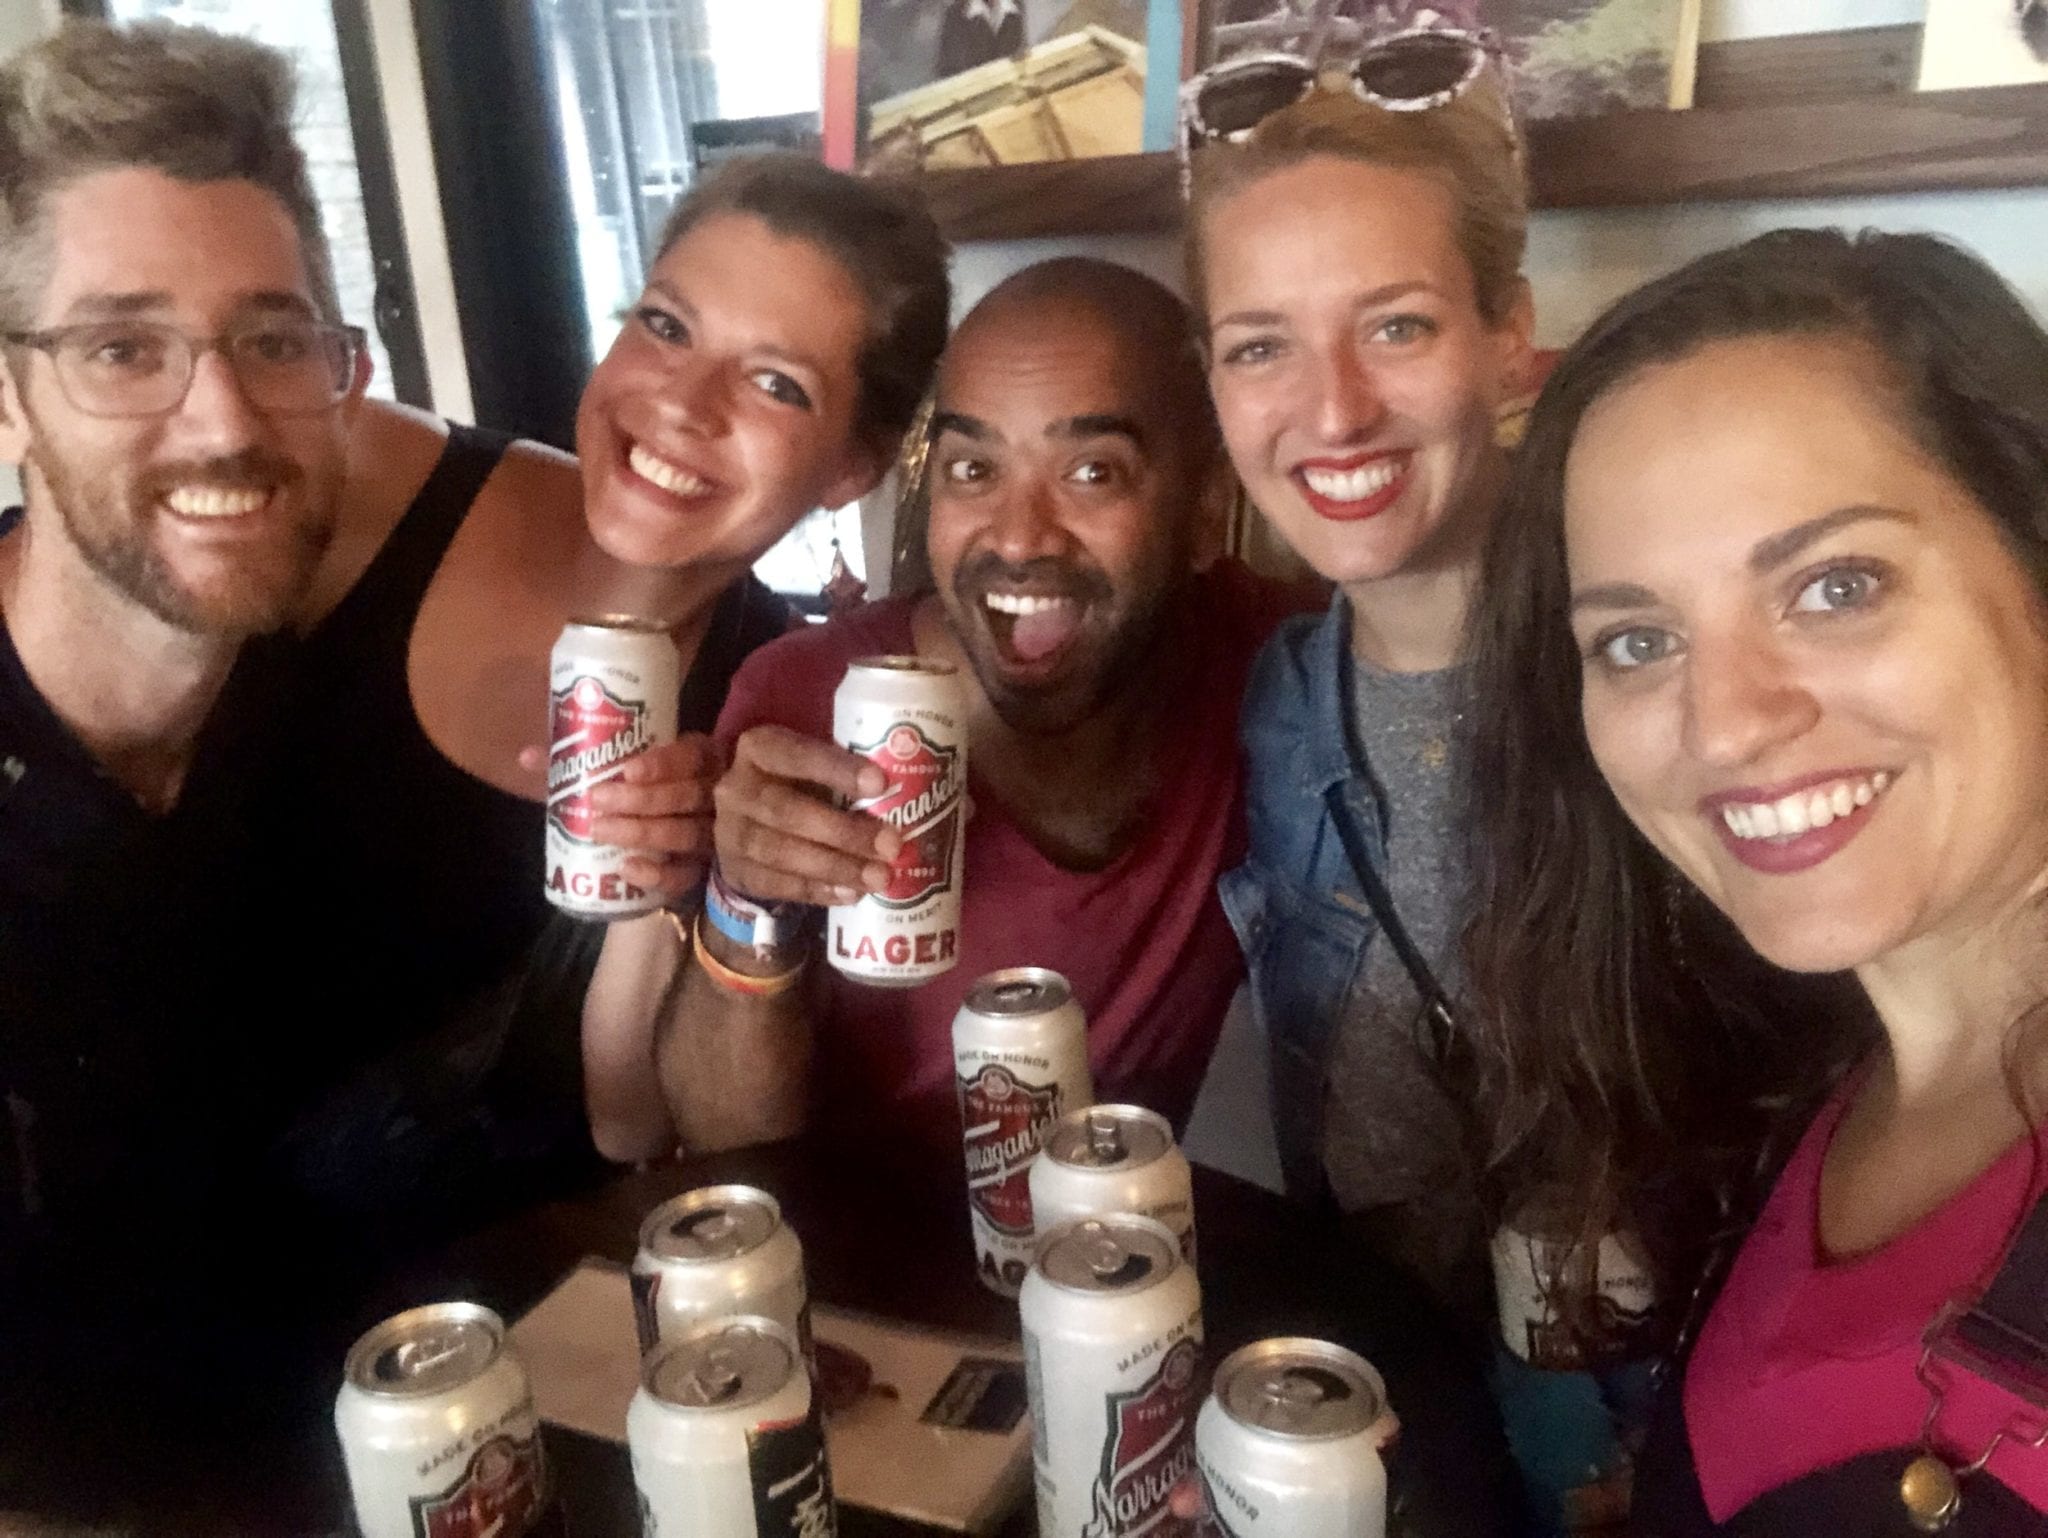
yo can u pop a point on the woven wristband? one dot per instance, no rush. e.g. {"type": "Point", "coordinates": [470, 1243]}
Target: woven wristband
{"type": "Point", "coordinates": [761, 927]}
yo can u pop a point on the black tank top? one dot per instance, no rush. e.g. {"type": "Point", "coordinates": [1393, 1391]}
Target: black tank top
{"type": "Point", "coordinates": [432, 897]}
{"type": "Point", "coordinates": [427, 879]}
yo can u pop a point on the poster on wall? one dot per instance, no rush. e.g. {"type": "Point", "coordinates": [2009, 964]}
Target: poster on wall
{"type": "Point", "coordinates": [956, 83]}
{"type": "Point", "coordinates": [1570, 58]}
{"type": "Point", "coordinates": [1983, 42]}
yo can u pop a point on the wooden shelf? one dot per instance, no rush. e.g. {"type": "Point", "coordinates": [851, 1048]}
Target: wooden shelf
{"type": "Point", "coordinates": [1992, 137]}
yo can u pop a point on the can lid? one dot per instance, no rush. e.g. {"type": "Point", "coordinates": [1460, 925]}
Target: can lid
{"type": "Point", "coordinates": [1109, 1137]}
{"type": "Point", "coordinates": [1120, 1254]}
{"type": "Point", "coordinates": [727, 1365]}
{"type": "Point", "coordinates": [1304, 1389]}
{"type": "Point", "coordinates": [1017, 993]}
{"type": "Point", "coordinates": [630, 622]}
{"type": "Point", "coordinates": [712, 1223]}
{"type": "Point", "coordinates": [900, 665]}
{"type": "Point", "coordinates": [426, 1351]}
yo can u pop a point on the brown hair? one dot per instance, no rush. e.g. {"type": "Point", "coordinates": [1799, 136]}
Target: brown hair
{"type": "Point", "coordinates": [181, 100]}
{"type": "Point", "coordinates": [1634, 1051]}
{"type": "Point", "coordinates": [880, 233]}
{"type": "Point", "coordinates": [1465, 146]}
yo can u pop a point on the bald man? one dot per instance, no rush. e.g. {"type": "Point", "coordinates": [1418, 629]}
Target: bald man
{"type": "Point", "coordinates": [1072, 459]}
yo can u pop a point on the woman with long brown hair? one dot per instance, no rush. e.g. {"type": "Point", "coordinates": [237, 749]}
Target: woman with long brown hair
{"type": "Point", "coordinates": [1762, 700]}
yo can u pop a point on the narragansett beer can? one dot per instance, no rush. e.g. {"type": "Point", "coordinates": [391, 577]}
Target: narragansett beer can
{"type": "Point", "coordinates": [1289, 1443]}
{"type": "Point", "coordinates": [438, 1429]}
{"type": "Point", "coordinates": [1020, 1060]}
{"type": "Point", "coordinates": [725, 1439]}
{"type": "Point", "coordinates": [715, 1251]}
{"type": "Point", "coordinates": [1112, 1357]}
{"type": "Point", "coordinates": [1114, 1158]}
{"type": "Point", "coordinates": [613, 686]}
{"type": "Point", "coordinates": [909, 718]}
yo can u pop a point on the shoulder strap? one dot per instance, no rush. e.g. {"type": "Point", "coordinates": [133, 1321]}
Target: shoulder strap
{"type": "Point", "coordinates": [748, 616]}
{"type": "Point", "coordinates": [1436, 1004]}
{"type": "Point", "coordinates": [413, 552]}
{"type": "Point", "coordinates": [2003, 1335]}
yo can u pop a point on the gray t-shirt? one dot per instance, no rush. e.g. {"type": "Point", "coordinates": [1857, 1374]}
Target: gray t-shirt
{"type": "Point", "coordinates": [1393, 1144]}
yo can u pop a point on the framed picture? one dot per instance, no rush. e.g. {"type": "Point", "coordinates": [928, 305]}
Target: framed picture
{"type": "Point", "coordinates": [957, 83]}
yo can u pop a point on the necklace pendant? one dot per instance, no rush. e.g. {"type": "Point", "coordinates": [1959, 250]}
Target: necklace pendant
{"type": "Point", "coordinates": [1930, 1493]}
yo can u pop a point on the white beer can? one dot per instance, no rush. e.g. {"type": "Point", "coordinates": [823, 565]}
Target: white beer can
{"type": "Point", "coordinates": [1114, 1158]}
{"type": "Point", "coordinates": [725, 1437]}
{"type": "Point", "coordinates": [613, 688]}
{"type": "Point", "coordinates": [1112, 1361]}
{"type": "Point", "coordinates": [908, 717]}
{"type": "Point", "coordinates": [1020, 1060]}
{"type": "Point", "coordinates": [438, 1430]}
{"type": "Point", "coordinates": [716, 1251]}
{"type": "Point", "coordinates": [1290, 1442]}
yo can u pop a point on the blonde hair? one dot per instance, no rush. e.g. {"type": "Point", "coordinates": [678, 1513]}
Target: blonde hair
{"type": "Point", "coordinates": [1465, 146]}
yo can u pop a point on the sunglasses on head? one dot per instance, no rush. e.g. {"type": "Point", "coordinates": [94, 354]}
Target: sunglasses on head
{"type": "Point", "coordinates": [1405, 72]}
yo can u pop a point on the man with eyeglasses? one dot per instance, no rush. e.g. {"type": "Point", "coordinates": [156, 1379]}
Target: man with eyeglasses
{"type": "Point", "coordinates": [177, 390]}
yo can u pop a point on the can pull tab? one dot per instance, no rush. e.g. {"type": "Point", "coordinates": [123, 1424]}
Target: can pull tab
{"type": "Point", "coordinates": [419, 1357]}
{"type": "Point", "coordinates": [1110, 1263]}
{"type": "Point", "coordinates": [1296, 1395]}
{"type": "Point", "coordinates": [713, 1225]}
{"type": "Point", "coordinates": [717, 1378]}
{"type": "Point", "coordinates": [1105, 1139]}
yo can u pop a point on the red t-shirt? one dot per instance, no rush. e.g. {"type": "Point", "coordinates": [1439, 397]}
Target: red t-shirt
{"type": "Point", "coordinates": [1806, 1363]}
{"type": "Point", "coordinates": [1144, 942]}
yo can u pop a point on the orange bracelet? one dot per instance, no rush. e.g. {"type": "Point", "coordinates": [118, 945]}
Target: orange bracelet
{"type": "Point", "coordinates": [734, 981]}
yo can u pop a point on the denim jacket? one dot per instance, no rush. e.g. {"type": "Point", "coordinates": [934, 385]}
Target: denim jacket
{"type": "Point", "coordinates": [1300, 916]}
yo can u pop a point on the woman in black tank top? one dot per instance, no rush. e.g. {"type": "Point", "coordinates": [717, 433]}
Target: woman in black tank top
{"type": "Point", "coordinates": [792, 320]}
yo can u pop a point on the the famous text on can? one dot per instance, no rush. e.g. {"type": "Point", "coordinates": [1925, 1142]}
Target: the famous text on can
{"type": "Point", "coordinates": [908, 717]}
{"type": "Point", "coordinates": [1112, 1322]}
{"type": "Point", "coordinates": [438, 1429]}
{"type": "Point", "coordinates": [613, 686]}
{"type": "Point", "coordinates": [1020, 1059]}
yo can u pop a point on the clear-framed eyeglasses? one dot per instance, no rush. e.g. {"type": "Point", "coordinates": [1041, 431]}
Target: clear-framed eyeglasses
{"type": "Point", "coordinates": [136, 368]}
{"type": "Point", "coordinates": [1411, 71]}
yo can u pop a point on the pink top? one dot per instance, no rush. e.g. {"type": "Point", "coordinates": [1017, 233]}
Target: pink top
{"type": "Point", "coordinates": [1806, 1363]}
{"type": "Point", "coordinates": [1144, 942]}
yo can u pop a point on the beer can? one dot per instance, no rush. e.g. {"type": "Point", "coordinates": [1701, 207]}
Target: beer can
{"type": "Point", "coordinates": [1529, 1256]}
{"type": "Point", "coordinates": [1020, 1060]}
{"type": "Point", "coordinates": [1112, 1357]}
{"type": "Point", "coordinates": [613, 688]}
{"type": "Point", "coordinates": [908, 717]}
{"type": "Point", "coordinates": [438, 1430]}
{"type": "Point", "coordinates": [1289, 1443]}
{"type": "Point", "coordinates": [725, 1437]}
{"type": "Point", "coordinates": [1114, 1158]}
{"type": "Point", "coordinates": [716, 1251]}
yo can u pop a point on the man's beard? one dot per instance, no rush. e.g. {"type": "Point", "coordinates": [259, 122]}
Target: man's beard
{"type": "Point", "coordinates": [1112, 664]}
{"type": "Point", "coordinates": [111, 524]}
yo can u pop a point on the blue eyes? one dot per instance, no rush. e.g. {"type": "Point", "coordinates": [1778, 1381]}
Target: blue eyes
{"type": "Point", "coordinates": [1844, 588]}
{"type": "Point", "coordinates": [1636, 647]}
{"type": "Point", "coordinates": [1839, 587]}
